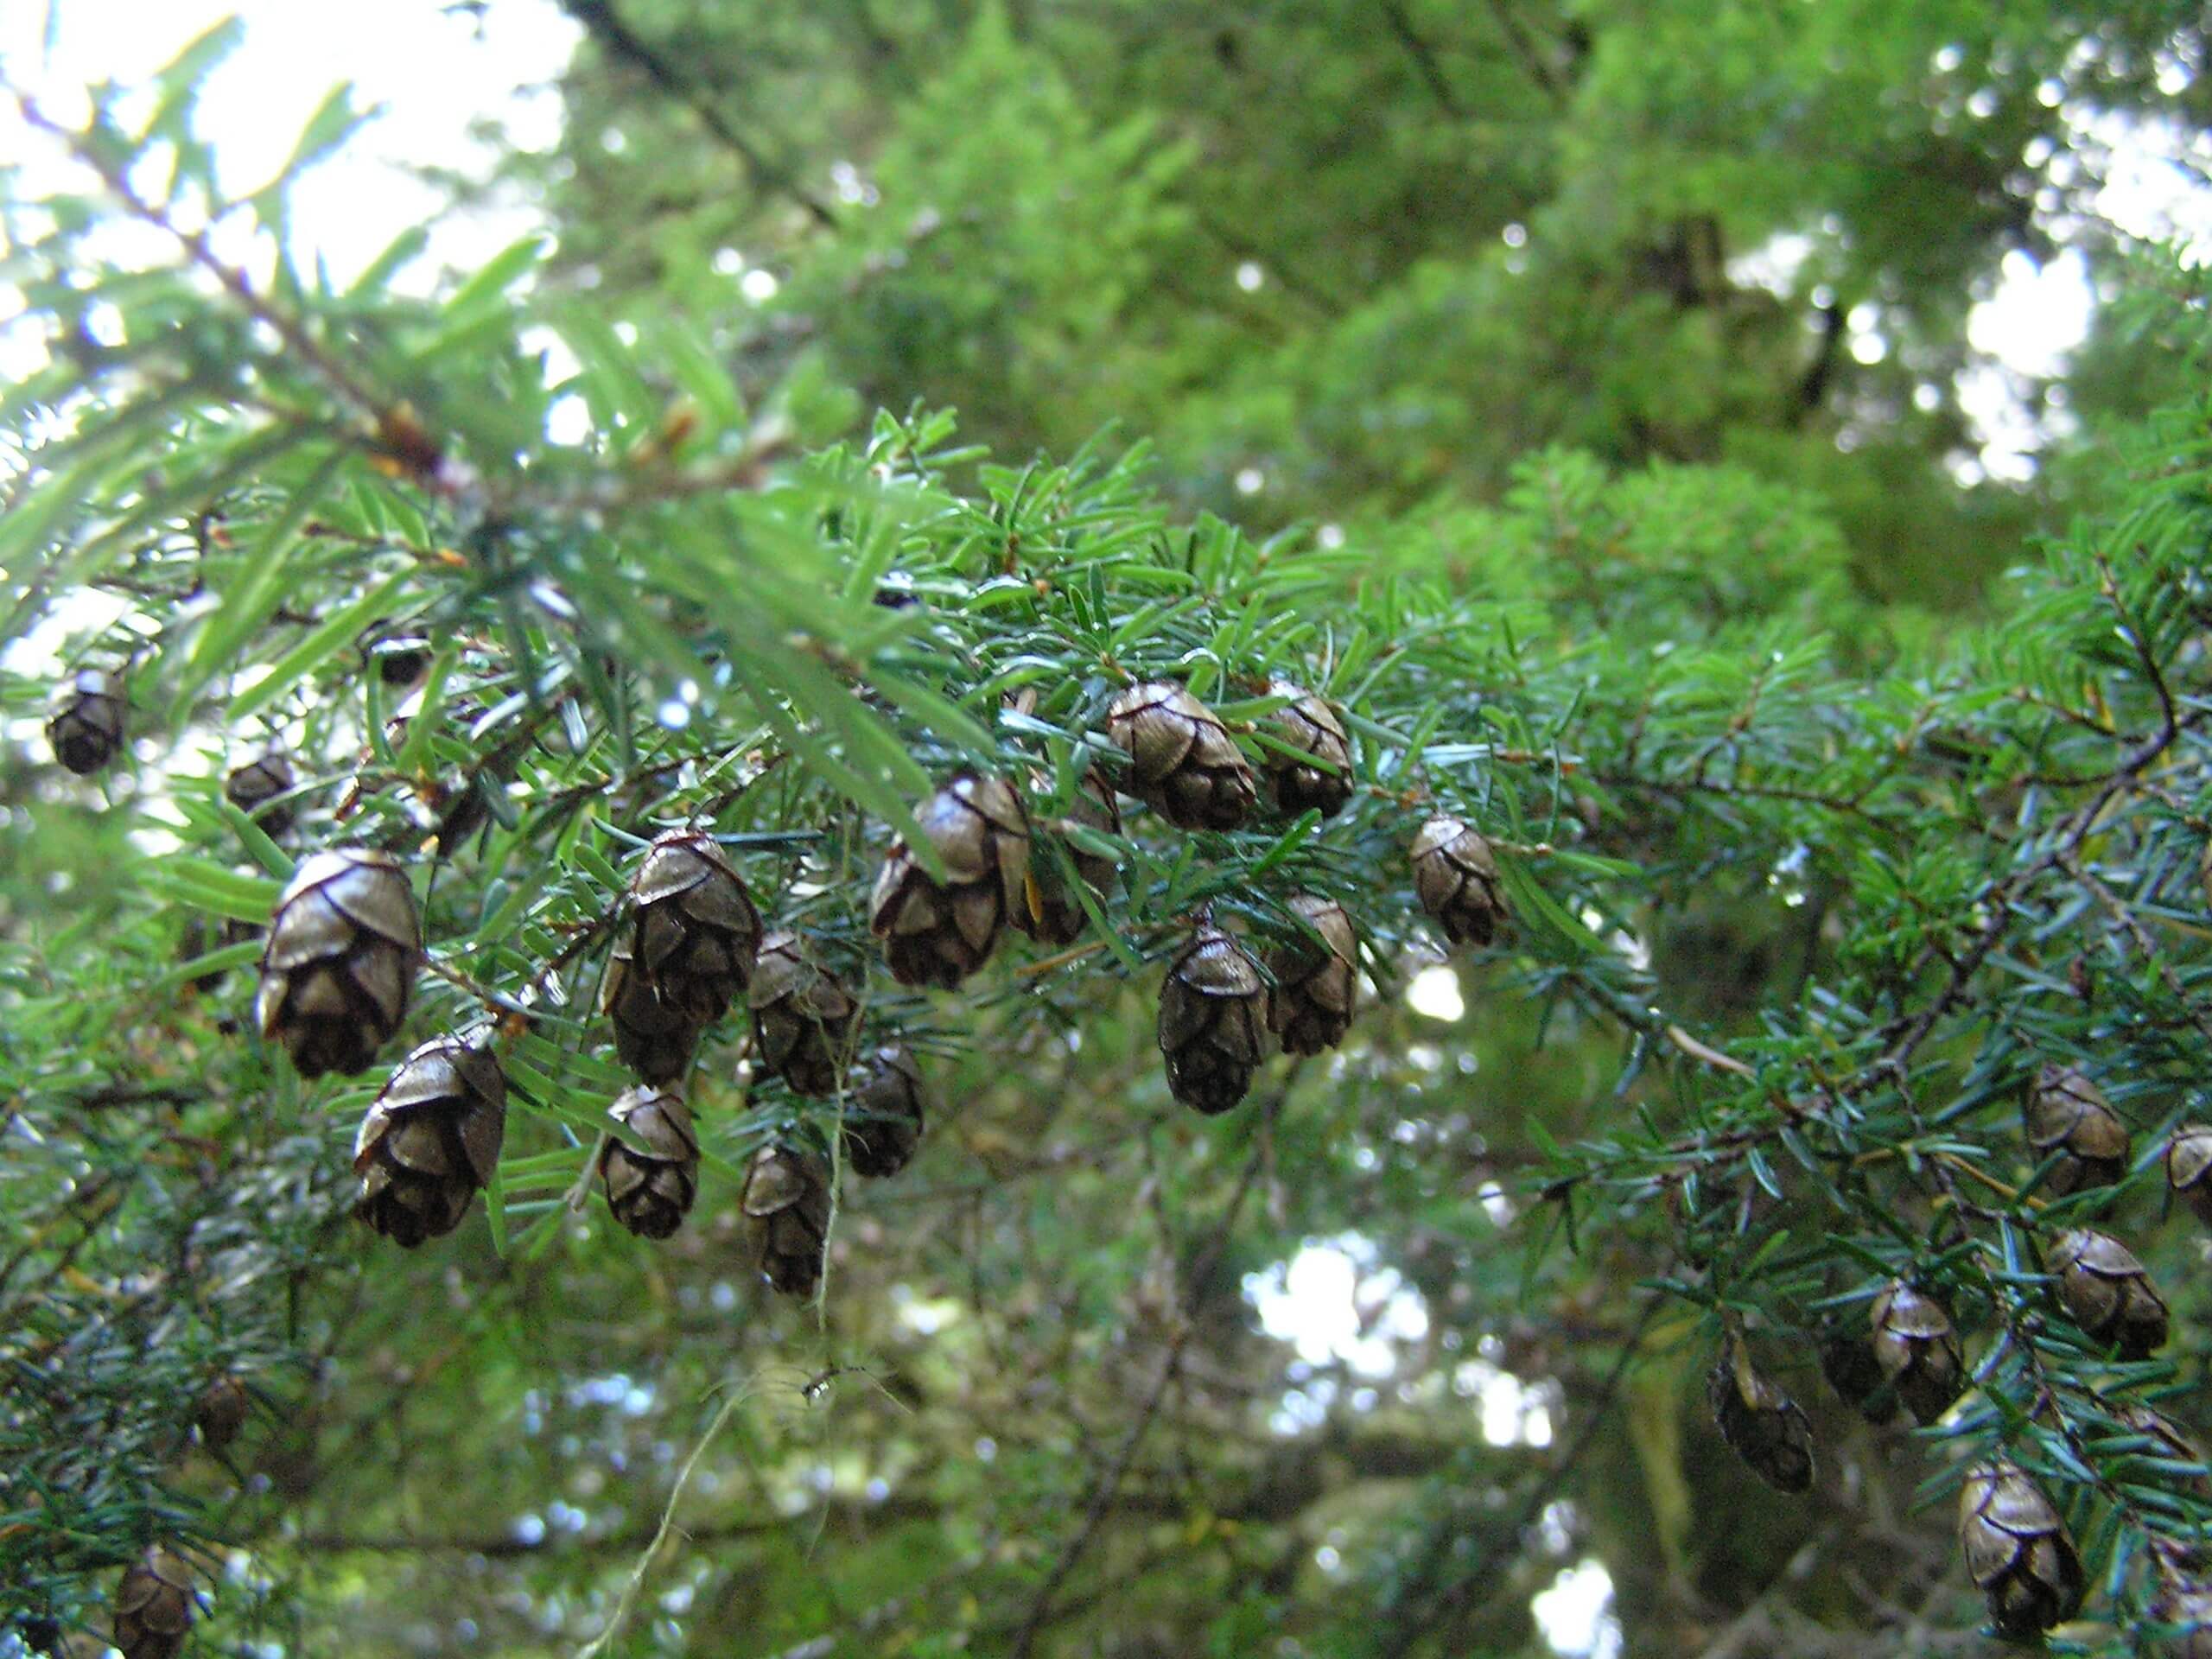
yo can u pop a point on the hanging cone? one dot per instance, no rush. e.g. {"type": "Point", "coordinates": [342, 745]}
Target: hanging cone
{"type": "Point", "coordinates": [786, 1205]}
{"type": "Point", "coordinates": [1054, 916]}
{"type": "Point", "coordinates": [1762, 1425]}
{"type": "Point", "coordinates": [1847, 1361]}
{"type": "Point", "coordinates": [652, 1170]}
{"type": "Point", "coordinates": [1322, 783]}
{"type": "Point", "coordinates": [1316, 981]}
{"type": "Point", "coordinates": [431, 1141]}
{"type": "Point", "coordinates": [1455, 874]}
{"type": "Point", "coordinates": [2068, 1115]}
{"type": "Point", "coordinates": [802, 1018]}
{"type": "Point", "coordinates": [87, 729]}
{"type": "Point", "coordinates": [884, 1115]}
{"type": "Point", "coordinates": [694, 933]}
{"type": "Point", "coordinates": [1183, 764]}
{"type": "Point", "coordinates": [250, 787]}
{"type": "Point", "coordinates": [651, 1038]}
{"type": "Point", "coordinates": [2108, 1293]}
{"type": "Point", "coordinates": [154, 1607]}
{"type": "Point", "coordinates": [343, 946]}
{"type": "Point", "coordinates": [2018, 1551]}
{"type": "Point", "coordinates": [1918, 1350]}
{"type": "Point", "coordinates": [2188, 1165]}
{"type": "Point", "coordinates": [938, 932]}
{"type": "Point", "coordinates": [1212, 1010]}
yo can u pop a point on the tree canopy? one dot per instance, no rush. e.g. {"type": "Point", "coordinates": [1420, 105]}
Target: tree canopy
{"type": "Point", "coordinates": [677, 914]}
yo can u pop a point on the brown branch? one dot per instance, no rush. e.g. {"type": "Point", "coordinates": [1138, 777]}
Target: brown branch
{"type": "Point", "coordinates": [1424, 57]}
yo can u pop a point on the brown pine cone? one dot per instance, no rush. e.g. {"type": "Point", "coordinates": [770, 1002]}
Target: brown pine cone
{"type": "Point", "coordinates": [154, 1607]}
{"type": "Point", "coordinates": [1762, 1426]}
{"type": "Point", "coordinates": [1316, 981]}
{"type": "Point", "coordinates": [343, 945]}
{"type": "Point", "coordinates": [1056, 916]}
{"type": "Point", "coordinates": [1309, 726]}
{"type": "Point", "coordinates": [651, 1038]}
{"type": "Point", "coordinates": [694, 933]}
{"type": "Point", "coordinates": [87, 729]}
{"type": "Point", "coordinates": [786, 1205]}
{"type": "Point", "coordinates": [802, 1018]}
{"type": "Point", "coordinates": [1183, 764]}
{"type": "Point", "coordinates": [430, 1140]}
{"type": "Point", "coordinates": [1917, 1347]}
{"type": "Point", "coordinates": [1455, 873]}
{"type": "Point", "coordinates": [2018, 1551]}
{"type": "Point", "coordinates": [885, 1113]}
{"type": "Point", "coordinates": [2068, 1115]}
{"type": "Point", "coordinates": [2188, 1162]}
{"type": "Point", "coordinates": [250, 787]}
{"type": "Point", "coordinates": [221, 1412]}
{"type": "Point", "coordinates": [652, 1175]}
{"type": "Point", "coordinates": [2168, 1443]}
{"type": "Point", "coordinates": [1212, 1015]}
{"type": "Point", "coordinates": [2108, 1293]}
{"type": "Point", "coordinates": [1848, 1363]}
{"type": "Point", "coordinates": [938, 932]}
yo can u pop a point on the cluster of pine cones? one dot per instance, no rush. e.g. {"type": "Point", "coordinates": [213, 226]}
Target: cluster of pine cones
{"type": "Point", "coordinates": [2015, 1545]}
{"type": "Point", "coordinates": [345, 942]}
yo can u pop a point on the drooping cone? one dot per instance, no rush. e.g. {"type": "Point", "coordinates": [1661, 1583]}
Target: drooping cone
{"type": "Point", "coordinates": [221, 1412]}
{"type": "Point", "coordinates": [1183, 764]}
{"type": "Point", "coordinates": [2189, 1168]}
{"type": "Point", "coordinates": [2068, 1115]}
{"type": "Point", "coordinates": [1847, 1361]}
{"type": "Point", "coordinates": [2167, 1442]}
{"type": "Point", "coordinates": [786, 1205]}
{"type": "Point", "coordinates": [1455, 873]}
{"type": "Point", "coordinates": [885, 1113]}
{"type": "Point", "coordinates": [2018, 1551]}
{"type": "Point", "coordinates": [1054, 915]}
{"type": "Point", "coordinates": [802, 1018]}
{"type": "Point", "coordinates": [1316, 981]}
{"type": "Point", "coordinates": [652, 1171]}
{"type": "Point", "coordinates": [1762, 1425]}
{"type": "Point", "coordinates": [1322, 784]}
{"type": "Point", "coordinates": [430, 1140]}
{"type": "Point", "coordinates": [694, 933]}
{"type": "Point", "coordinates": [343, 944]}
{"type": "Point", "coordinates": [87, 729]}
{"type": "Point", "coordinates": [1212, 1015]}
{"type": "Point", "coordinates": [250, 786]}
{"type": "Point", "coordinates": [651, 1038]}
{"type": "Point", "coordinates": [1917, 1347]}
{"type": "Point", "coordinates": [2108, 1293]}
{"type": "Point", "coordinates": [938, 932]}
{"type": "Point", "coordinates": [154, 1605]}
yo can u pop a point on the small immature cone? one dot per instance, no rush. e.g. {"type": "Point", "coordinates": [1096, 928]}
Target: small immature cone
{"type": "Point", "coordinates": [1762, 1425]}
{"type": "Point", "coordinates": [652, 1172]}
{"type": "Point", "coordinates": [1316, 983]}
{"type": "Point", "coordinates": [1183, 764]}
{"type": "Point", "coordinates": [258, 781]}
{"type": "Point", "coordinates": [2189, 1168]}
{"type": "Point", "coordinates": [2068, 1115]}
{"type": "Point", "coordinates": [430, 1140]}
{"type": "Point", "coordinates": [154, 1605]}
{"type": "Point", "coordinates": [340, 961]}
{"type": "Point", "coordinates": [1917, 1347]}
{"type": "Point", "coordinates": [694, 932]}
{"type": "Point", "coordinates": [1309, 726]}
{"type": "Point", "coordinates": [2167, 1443]}
{"type": "Point", "coordinates": [938, 932]}
{"type": "Point", "coordinates": [2018, 1551]}
{"type": "Point", "coordinates": [786, 1205]}
{"type": "Point", "coordinates": [1455, 874]}
{"type": "Point", "coordinates": [1054, 916]}
{"type": "Point", "coordinates": [221, 1412]}
{"type": "Point", "coordinates": [87, 729]}
{"type": "Point", "coordinates": [651, 1038]}
{"type": "Point", "coordinates": [802, 1018]}
{"type": "Point", "coordinates": [2108, 1293]}
{"type": "Point", "coordinates": [1212, 1009]}
{"type": "Point", "coordinates": [1848, 1363]}
{"type": "Point", "coordinates": [884, 1114]}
